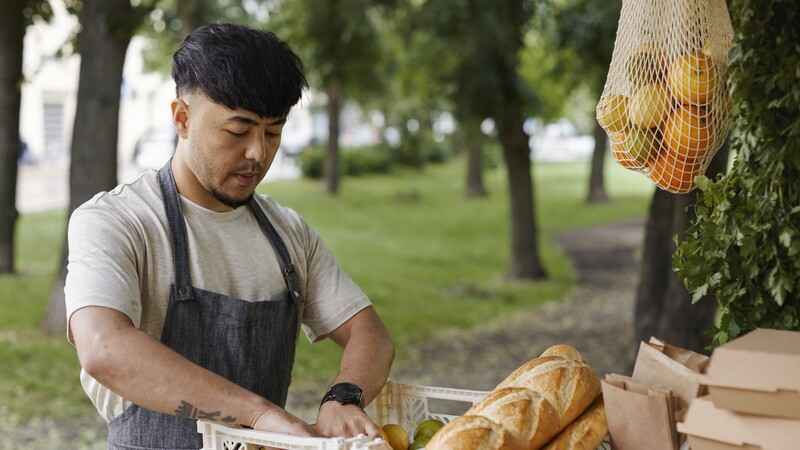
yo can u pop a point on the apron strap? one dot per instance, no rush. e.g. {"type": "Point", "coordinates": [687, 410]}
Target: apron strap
{"type": "Point", "coordinates": [287, 267]}
{"type": "Point", "coordinates": [177, 230]}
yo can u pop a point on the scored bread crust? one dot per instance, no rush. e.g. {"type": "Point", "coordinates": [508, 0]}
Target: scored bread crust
{"type": "Point", "coordinates": [524, 413]}
{"type": "Point", "coordinates": [584, 433]}
{"type": "Point", "coordinates": [563, 351]}
{"type": "Point", "coordinates": [569, 385]}
{"type": "Point", "coordinates": [473, 432]}
{"type": "Point", "coordinates": [530, 407]}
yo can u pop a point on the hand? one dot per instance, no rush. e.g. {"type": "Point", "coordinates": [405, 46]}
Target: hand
{"type": "Point", "coordinates": [337, 420]}
{"type": "Point", "coordinates": [279, 420]}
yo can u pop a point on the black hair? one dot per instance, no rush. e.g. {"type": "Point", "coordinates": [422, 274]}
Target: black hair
{"type": "Point", "coordinates": [240, 68]}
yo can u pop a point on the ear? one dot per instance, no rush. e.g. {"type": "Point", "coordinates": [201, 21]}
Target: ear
{"type": "Point", "coordinates": [180, 117]}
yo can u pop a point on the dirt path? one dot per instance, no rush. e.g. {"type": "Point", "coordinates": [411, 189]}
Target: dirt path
{"type": "Point", "coordinates": [596, 318]}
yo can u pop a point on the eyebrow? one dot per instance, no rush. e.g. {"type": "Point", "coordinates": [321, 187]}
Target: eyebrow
{"type": "Point", "coordinates": [249, 121]}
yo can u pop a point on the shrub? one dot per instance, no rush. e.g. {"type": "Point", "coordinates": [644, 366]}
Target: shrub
{"type": "Point", "coordinates": [370, 159]}
{"type": "Point", "coordinates": [312, 159]}
{"type": "Point", "coordinates": [353, 161]}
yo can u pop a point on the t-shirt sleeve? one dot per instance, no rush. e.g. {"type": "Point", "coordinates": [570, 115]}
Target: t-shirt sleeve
{"type": "Point", "coordinates": [101, 268]}
{"type": "Point", "coordinates": [331, 295]}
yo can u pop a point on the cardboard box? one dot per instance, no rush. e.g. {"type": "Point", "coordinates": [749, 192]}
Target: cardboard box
{"type": "Point", "coordinates": [711, 428]}
{"type": "Point", "coordinates": [758, 373]}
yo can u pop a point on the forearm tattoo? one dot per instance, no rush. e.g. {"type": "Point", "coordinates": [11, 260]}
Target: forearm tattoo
{"type": "Point", "coordinates": [188, 411]}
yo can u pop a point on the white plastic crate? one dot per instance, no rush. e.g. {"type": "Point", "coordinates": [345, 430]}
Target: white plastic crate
{"type": "Point", "coordinates": [404, 404]}
{"type": "Point", "coordinates": [408, 405]}
{"type": "Point", "coordinates": [221, 437]}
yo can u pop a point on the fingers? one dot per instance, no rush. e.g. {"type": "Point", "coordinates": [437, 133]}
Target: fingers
{"type": "Point", "coordinates": [280, 421]}
{"type": "Point", "coordinates": [372, 430]}
{"type": "Point", "coordinates": [336, 420]}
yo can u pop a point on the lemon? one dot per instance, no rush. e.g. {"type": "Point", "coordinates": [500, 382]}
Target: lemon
{"type": "Point", "coordinates": [396, 436]}
{"type": "Point", "coordinates": [427, 428]}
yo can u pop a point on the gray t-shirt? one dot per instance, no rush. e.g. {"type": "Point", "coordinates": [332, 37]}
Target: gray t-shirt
{"type": "Point", "coordinates": [120, 257]}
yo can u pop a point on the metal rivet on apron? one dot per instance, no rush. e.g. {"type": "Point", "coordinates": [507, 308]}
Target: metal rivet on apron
{"type": "Point", "coordinates": [182, 290]}
{"type": "Point", "coordinates": [296, 294]}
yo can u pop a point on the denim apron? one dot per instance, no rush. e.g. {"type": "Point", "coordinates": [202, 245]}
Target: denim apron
{"type": "Point", "coordinates": [250, 343]}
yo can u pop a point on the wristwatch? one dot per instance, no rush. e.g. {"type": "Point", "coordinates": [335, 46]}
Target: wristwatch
{"type": "Point", "coordinates": [346, 394]}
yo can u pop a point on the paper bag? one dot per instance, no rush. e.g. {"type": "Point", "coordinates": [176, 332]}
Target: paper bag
{"type": "Point", "coordinates": [663, 365]}
{"type": "Point", "coordinates": [639, 416]}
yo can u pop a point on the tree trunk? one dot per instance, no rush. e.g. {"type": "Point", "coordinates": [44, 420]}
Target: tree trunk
{"type": "Point", "coordinates": [597, 189]}
{"type": "Point", "coordinates": [525, 262]}
{"type": "Point", "coordinates": [474, 140]}
{"type": "Point", "coordinates": [193, 15]}
{"type": "Point", "coordinates": [663, 306]}
{"type": "Point", "coordinates": [93, 167]}
{"type": "Point", "coordinates": [331, 168]}
{"type": "Point", "coordinates": [12, 33]}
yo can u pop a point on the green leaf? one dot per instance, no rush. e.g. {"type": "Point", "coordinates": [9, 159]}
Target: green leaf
{"type": "Point", "coordinates": [699, 293]}
{"type": "Point", "coordinates": [785, 237]}
{"type": "Point", "coordinates": [702, 182]}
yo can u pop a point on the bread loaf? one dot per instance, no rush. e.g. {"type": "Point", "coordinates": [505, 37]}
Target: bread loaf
{"type": "Point", "coordinates": [584, 433]}
{"type": "Point", "coordinates": [521, 411]}
{"type": "Point", "coordinates": [475, 433]}
{"type": "Point", "coordinates": [569, 385]}
{"type": "Point", "coordinates": [527, 409]}
{"type": "Point", "coordinates": [563, 351]}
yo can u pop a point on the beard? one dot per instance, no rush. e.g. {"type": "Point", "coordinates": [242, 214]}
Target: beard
{"type": "Point", "coordinates": [229, 202]}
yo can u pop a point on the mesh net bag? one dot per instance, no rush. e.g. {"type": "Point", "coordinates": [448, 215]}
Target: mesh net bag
{"type": "Point", "coordinates": [666, 106]}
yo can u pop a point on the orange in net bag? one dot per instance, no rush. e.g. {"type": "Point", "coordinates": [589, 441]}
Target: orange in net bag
{"type": "Point", "coordinates": [666, 106]}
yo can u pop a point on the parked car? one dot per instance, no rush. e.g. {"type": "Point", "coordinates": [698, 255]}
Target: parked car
{"type": "Point", "coordinates": [155, 148]}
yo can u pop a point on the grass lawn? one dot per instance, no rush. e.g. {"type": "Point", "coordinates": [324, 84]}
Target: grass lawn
{"type": "Point", "coordinates": [427, 256]}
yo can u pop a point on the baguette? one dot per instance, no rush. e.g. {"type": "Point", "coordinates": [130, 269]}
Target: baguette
{"type": "Point", "coordinates": [586, 432]}
{"type": "Point", "coordinates": [527, 409]}
{"type": "Point", "coordinates": [526, 414]}
{"type": "Point", "coordinates": [569, 385]}
{"type": "Point", "coordinates": [563, 351]}
{"type": "Point", "coordinates": [475, 433]}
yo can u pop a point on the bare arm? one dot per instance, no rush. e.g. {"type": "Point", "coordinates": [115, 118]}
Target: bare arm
{"type": "Point", "coordinates": [366, 361]}
{"type": "Point", "coordinates": [148, 373]}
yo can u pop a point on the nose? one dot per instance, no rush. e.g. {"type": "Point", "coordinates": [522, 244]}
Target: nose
{"type": "Point", "coordinates": [257, 148]}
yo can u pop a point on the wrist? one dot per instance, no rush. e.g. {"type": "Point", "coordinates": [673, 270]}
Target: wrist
{"type": "Point", "coordinates": [345, 394]}
{"type": "Point", "coordinates": [260, 411]}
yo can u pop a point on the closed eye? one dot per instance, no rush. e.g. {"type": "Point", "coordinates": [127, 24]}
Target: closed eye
{"type": "Point", "coordinates": [236, 134]}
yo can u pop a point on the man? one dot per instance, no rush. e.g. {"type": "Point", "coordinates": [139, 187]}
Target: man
{"type": "Point", "coordinates": [186, 292]}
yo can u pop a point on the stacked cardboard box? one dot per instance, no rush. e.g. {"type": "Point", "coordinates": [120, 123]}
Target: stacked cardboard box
{"type": "Point", "coordinates": [754, 395]}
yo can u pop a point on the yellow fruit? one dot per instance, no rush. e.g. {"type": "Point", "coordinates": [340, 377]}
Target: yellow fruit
{"type": "Point", "coordinates": [647, 64]}
{"type": "Point", "coordinates": [612, 112]}
{"type": "Point", "coordinates": [649, 106]}
{"type": "Point", "coordinates": [427, 428]}
{"type": "Point", "coordinates": [693, 79]}
{"type": "Point", "coordinates": [396, 436]}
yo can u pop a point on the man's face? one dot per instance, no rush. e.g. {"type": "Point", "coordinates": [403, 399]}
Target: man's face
{"type": "Point", "coordinates": [228, 151]}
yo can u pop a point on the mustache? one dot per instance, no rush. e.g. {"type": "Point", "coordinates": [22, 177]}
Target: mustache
{"type": "Point", "coordinates": [252, 167]}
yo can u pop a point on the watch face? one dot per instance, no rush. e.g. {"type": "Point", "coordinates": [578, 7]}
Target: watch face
{"type": "Point", "coordinates": [346, 391]}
